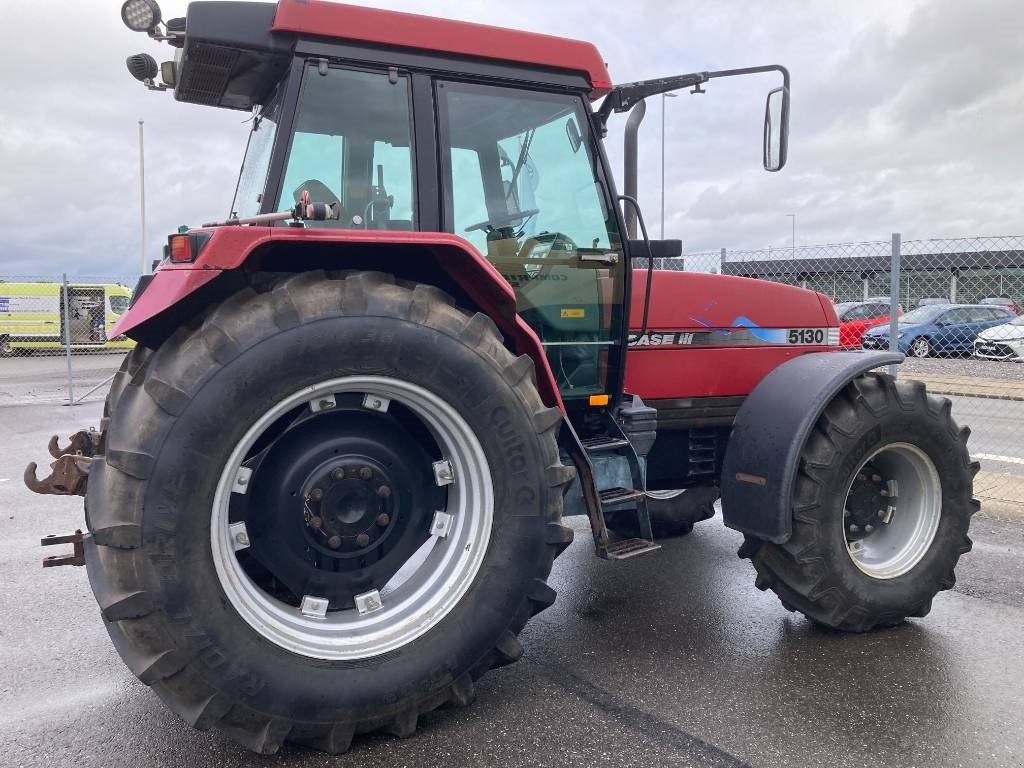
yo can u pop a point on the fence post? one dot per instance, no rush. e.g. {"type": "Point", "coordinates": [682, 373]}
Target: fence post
{"type": "Point", "coordinates": [894, 298]}
{"type": "Point", "coordinates": [67, 340]}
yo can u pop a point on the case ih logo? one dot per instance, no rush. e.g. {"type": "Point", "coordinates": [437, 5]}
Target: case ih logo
{"type": "Point", "coordinates": [660, 339]}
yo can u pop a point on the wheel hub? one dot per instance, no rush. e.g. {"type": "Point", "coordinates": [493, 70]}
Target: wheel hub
{"type": "Point", "coordinates": [325, 515]}
{"type": "Point", "coordinates": [870, 504]}
{"type": "Point", "coordinates": [349, 509]}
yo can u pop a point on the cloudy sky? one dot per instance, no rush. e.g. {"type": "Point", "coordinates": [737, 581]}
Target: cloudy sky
{"type": "Point", "coordinates": [907, 116]}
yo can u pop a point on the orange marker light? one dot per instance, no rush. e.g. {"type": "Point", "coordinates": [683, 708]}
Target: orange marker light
{"type": "Point", "coordinates": [181, 249]}
{"type": "Point", "coordinates": [599, 400]}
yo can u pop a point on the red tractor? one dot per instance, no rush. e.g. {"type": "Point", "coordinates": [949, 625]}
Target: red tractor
{"type": "Point", "coordinates": [329, 482]}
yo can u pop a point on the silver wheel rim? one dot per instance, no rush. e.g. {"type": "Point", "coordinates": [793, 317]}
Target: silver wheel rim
{"type": "Point", "coordinates": [665, 495]}
{"type": "Point", "coordinates": [921, 348]}
{"type": "Point", "coordinates": [913, 509]}
{"type": "Point", "coordinates": [429, 585]}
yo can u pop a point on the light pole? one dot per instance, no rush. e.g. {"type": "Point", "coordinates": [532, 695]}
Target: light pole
{"type": "Point", "coordinates": [142, 199]}
{"type": "Point", "coordinates": [663, 97]}
{"type": "Point", "coordinates": [793, 217]}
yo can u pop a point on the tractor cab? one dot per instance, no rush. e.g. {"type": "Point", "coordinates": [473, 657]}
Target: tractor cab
{"type": "Point", "coordinates": [519, 179]}
{"type": "Point", "coordinates": [483, 132]}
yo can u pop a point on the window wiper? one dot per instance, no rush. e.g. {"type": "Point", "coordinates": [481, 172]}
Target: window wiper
{"type": "Point", "coordinates": [524, 152]}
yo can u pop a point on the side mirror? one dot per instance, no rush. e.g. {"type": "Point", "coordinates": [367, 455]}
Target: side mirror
{"type": "Point", "coordinates": [776, 129]}
{"type": "Point", "coordinates": [575, 139]}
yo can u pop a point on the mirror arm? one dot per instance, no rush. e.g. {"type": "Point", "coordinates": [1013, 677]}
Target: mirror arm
{"type": "Point", "coordinates": [624, 97]}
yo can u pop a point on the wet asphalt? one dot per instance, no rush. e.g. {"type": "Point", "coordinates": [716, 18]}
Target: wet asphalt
{"type": "Point", "coordinates": [672, 659]}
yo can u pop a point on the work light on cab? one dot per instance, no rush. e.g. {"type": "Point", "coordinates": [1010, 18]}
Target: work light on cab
{"type": "Point", "coordinates": [140, 15]}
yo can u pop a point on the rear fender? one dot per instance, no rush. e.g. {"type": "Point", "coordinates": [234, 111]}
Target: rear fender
{"type": "Point", "coordinates": [770, 430]}
{"type": "Point", "coordinates": [177, 292]}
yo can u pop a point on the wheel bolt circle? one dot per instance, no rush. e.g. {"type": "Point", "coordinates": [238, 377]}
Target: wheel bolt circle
{"type": "Point", "coordinates": [365, 473]}
{"type": "Point", "coordinates": [334, 542]}
{"type": "Point", "coordinates": [383, 519]}
{"type": "Point", "coordinates": [384, 492]}
{"type": "Point", "coordinates": [316, 494]}
{"type": "Point", "coordinates": [362, 539]}
{"type": "Point", "coordinates": [338, 474]}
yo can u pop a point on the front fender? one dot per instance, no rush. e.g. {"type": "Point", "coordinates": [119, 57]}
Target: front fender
{"type": "Point", "coordinates": [234, 250]}
{"type": "Point", "coordinates": [770, 430]}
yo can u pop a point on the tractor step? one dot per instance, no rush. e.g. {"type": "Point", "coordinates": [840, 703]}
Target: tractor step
{"type": "Point", "coordinates": [604, 443]}
{"type": "Point", "coordinates": [612, 496]}
{"type": "Point", "coordinates": [624, 549]}
{"type": "Point", "coordinates": [611, 438]}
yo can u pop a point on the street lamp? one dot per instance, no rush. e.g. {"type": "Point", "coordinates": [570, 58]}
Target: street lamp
{"type": "Point", "coordinates": [793, 217]}
{"type": "Point", "coordinates": [663, 97]}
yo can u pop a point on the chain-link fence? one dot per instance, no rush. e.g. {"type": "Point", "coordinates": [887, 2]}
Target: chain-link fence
{"type": "Point", "coordinates": [957, 310]}
{"type": "Point", "coordinates": [957, 304]}
{"type": "Point", "coordinates": [56, 340]}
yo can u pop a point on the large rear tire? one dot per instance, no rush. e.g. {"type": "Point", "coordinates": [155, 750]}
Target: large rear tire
{"type": "Point", "coordinates": [324, 388]}
{"type": "Point", "coordinates": [881, 509]}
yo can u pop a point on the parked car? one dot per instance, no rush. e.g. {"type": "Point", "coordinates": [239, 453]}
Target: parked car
{"type": "Point", "coordinates": [1002, 301]}
{"type": "Point", "coordinates": [855, 317]}
{"type": "Point", "coordinates": [939, 329]}
{"type": "Point", "coordinates": [1003, 342]}
{"type": "Point", "coordinates": [930, 301]}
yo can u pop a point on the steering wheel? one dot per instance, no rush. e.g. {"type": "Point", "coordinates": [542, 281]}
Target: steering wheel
{"type": "Point", "coordinates": [506, 220]}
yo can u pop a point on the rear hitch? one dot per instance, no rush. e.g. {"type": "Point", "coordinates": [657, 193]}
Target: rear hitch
{"type": "Point", "coordinates": [69, 476]}
{"type": "Point", "coordinates": [84, 441]}
{"type": "Point", "coordinates": [77, 556]}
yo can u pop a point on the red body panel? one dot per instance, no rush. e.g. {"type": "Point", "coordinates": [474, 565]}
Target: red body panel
{"type": "Point", "coordinates": [407, 30]}
{"type": "Point", "coordinates": [230, 247]}
{"type": "Point", "coordinates": [720, 309]}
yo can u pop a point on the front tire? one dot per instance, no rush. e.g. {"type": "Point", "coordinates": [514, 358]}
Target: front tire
{"type": "Point", "coordinates": [882, 505]}
{"type": "Point", "coordinates": [284, 389]}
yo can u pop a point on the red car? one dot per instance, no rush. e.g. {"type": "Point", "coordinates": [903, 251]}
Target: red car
{"type": "Point", "coordinates": [855, 317]}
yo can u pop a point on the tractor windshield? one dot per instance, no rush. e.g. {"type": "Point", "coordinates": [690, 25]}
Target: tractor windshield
{"type": "Point", "coordinates": [520, 184]}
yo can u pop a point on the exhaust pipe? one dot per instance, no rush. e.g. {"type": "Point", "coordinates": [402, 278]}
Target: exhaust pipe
{"type": "Point", "coordinates": [630, 161]}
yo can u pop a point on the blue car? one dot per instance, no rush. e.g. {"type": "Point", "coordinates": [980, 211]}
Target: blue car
{"type": "Point", "coordinates": [938, 329]}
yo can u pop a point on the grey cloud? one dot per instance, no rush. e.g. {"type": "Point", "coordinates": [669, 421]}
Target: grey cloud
{"type": "Point", "coordinates": [906, 116]}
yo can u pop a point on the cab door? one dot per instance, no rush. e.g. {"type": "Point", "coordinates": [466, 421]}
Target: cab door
{"type": "Point", "coordinates": [521, 184]}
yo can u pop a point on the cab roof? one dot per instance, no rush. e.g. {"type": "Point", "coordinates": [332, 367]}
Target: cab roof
{"type": "Point", "coordinates": [338, 21]}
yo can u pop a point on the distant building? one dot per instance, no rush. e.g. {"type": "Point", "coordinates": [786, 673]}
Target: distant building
{"type": "Point", "coordinates": [963, 277]}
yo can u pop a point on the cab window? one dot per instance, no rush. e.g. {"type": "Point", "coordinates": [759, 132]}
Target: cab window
{"type": "Point", "coordinates": [352, 146]}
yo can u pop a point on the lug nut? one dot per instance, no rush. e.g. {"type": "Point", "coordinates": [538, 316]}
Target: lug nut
{"type": "Point", "coordinates": [365, 472]}
{"type": "Point", "coordinates": [383, 519]}
{"type": "Point", "coordinates": [334, 542]}
{"type": "Point", "coordinates": [362, 539]}
{"type": "Point", "coordinates": [869, 528]}
{"type": "Point", "coordinates": [854, 528]}
{"type": "Point", "coordinates": [876, 478]}
{"type": "Point", "coordinates": [338, 474]}
{"type": "Point", "coordinates": [316, 494]}
{"type": "Point", "coordinates": [316, 522]}
{"type": "Point", "coordinates": [384, 492]}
